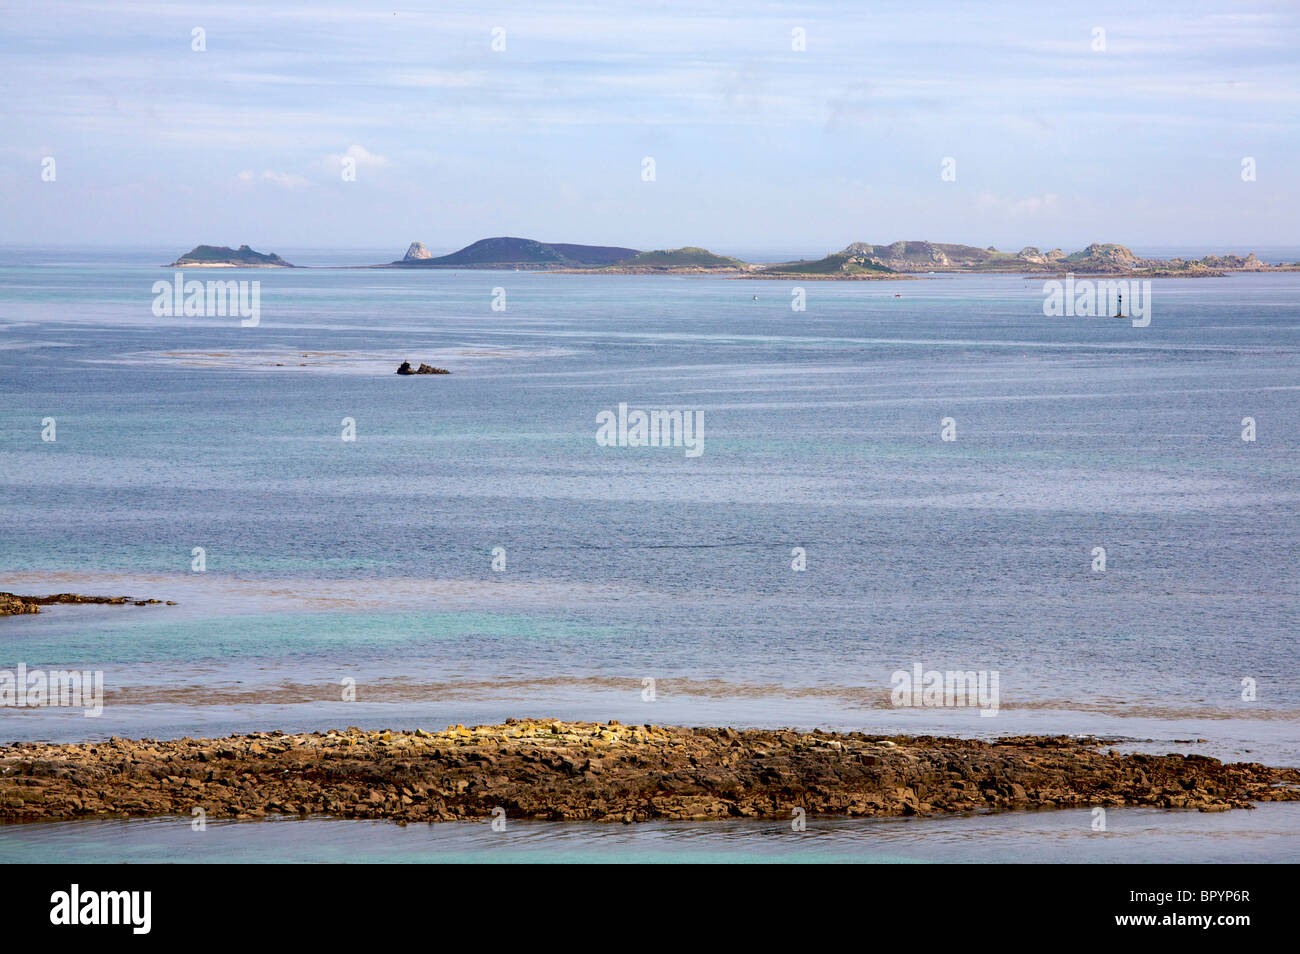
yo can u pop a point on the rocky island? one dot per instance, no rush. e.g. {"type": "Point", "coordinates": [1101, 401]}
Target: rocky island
{"type": "Point", "coordinates": [861, 260]}
{"type": "Point", "coordinates": [405, 368]}
{"type": "Point", "coordinates": [506, 252]}
{"type": "Point", "coordinates": [546, 769]}
{"type": "Point", "coordinates": [222, 256]}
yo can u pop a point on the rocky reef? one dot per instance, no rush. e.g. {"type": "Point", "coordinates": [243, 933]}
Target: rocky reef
{"type": "Point", "coordinates": [547, 769]}
{"type": "Point", "coordinates": [11, 604]}
{"type": "Point", "coordinates": [1031, 254]}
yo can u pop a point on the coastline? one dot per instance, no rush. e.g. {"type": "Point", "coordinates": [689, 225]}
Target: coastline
{"type": "Point", "coordinates": [570, 771]}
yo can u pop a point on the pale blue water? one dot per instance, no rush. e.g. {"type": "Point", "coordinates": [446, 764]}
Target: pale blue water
{"type": "Point", "coordinates": [1131, 836]}
{"type": "Point", "coordinates": [372, 560]}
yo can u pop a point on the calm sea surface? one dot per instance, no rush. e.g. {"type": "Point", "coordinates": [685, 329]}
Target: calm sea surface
{"type": "Point", "coordinates": [372, 560]}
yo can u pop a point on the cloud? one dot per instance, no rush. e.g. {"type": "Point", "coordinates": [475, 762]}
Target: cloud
{"type": "Point", "coordinates": [1046, 204]}
{"type": "Point", "coordinates": [282, 180]}
{"type": "Point", "coordinates": [715, 92]}
{"type": "Point", "coordinates": [364, 158]}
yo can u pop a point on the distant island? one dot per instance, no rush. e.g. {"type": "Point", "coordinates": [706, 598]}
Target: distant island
{"type": "Point", "coordinates": [1097, 259]}
{"type": "Point", "coordinates": [859, 261]}
{"type": "Point", "coordinates": [222, 256]}
{"type": "Point", "coordinates": [899, 259]}
{"type": "Point", "coordinates": [515, 253]}
{"type": "Point", "coordinates": [530, 255]}
{"type": "Point", "coordinates": [690, 260]}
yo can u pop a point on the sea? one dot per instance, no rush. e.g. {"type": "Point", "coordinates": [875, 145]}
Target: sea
{"type": "Point", "coordinates": [925, 472]}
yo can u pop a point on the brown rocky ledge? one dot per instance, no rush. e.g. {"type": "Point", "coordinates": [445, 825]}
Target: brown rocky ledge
{"type": "Point", "coordinates": [581, 770]}
{"type": "Point", "coordinates": [11, 604]}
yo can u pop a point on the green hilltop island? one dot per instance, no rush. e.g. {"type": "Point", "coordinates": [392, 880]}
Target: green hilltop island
{"type": "Point", "coordinates": [530, 255]}
{"type": "Point", "coordinates": [222, 256]}
{"type": "Point", "coordinates": [515, 253]}
{"type": "Point", "coordinates": [858, 261]}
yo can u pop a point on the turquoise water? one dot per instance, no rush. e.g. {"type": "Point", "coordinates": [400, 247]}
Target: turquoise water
{"type": "Point", "coordinates": [372, 560]}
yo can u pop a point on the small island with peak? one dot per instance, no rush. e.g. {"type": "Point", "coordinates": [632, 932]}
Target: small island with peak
{"type": "Point", "coordinates": [517, 253]}
{"type": "Point", "coordinates": [222, 256]}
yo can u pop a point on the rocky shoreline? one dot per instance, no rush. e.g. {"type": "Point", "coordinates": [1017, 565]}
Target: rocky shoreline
{"type": "Point", "coordinates": [545, 769]}
{"type": "Point", "coordinates": [12, 604]}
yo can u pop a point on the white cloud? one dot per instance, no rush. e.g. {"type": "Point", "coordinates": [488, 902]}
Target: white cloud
{"type": "Point", "coordinates": [1048, 202]}
{"type": "Point", "coordinates": [282, 180]}
{"type": "Point", "coordinates": [363, 157]}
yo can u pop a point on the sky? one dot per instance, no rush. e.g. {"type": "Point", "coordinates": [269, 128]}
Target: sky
{"type": "Point", "coordinates": [770, 125]}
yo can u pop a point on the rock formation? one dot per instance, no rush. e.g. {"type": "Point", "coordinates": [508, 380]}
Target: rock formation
{"type": "Point", "coordinates": [607, 772]}
{"type": "Point", "coordinates": [405, 368]}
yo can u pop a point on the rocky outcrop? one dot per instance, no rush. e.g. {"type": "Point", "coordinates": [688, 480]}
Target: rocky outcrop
{"type": "Point", "coordinates": [11, 604]}
{"type": "Point", "coordinates": [904, 256]}
{"type": "Point", "coordinates": [417, 252]}
{"type": "Point", "coordinates": [1105, 257]}
{"type": "Point", "coordinates": [607, 772]}
{"type": "Point", "coordinates": [1032, 255]}
{"type": "Point", "coordinates": [405, 368]}
{"type": "Point", "coordinates": [1249, 263]}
